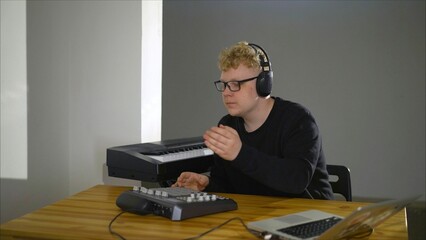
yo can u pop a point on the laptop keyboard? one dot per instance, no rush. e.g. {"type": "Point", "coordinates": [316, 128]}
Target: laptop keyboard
{"type": "Point", "coordinates": [311, 229]}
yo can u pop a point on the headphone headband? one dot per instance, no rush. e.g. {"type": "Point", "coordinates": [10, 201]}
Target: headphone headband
{"type": "Point", "coordinates": [264, 80]}
{"type": "Point", "coordinates": [264, 59]}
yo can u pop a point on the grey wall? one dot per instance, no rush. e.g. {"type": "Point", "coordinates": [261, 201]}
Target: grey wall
{"type": "Point", "coordinates": [83, 96]}
{"type": "Point", "coordinates": [357, 65]}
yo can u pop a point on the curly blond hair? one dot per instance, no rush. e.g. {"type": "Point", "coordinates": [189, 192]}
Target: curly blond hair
{"type": "Point", "coordinates": [240, 53]}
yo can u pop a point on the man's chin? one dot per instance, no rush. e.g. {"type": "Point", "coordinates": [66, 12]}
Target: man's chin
{"type": "Point", "coordinates": [234, 113]}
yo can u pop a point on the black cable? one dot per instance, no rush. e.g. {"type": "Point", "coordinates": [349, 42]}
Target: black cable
{"type": "Point", "coordinates": [263, 235]}
{"type": "Point", "coordinates": [257, 234]}
{"type": "Point", "coordinates": [110, 226]}
{"type": "Point", "coordinates": [309, 194]}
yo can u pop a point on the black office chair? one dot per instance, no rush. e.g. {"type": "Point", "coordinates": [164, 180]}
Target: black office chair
{"type": "Point", "coordinates": [340, 180]}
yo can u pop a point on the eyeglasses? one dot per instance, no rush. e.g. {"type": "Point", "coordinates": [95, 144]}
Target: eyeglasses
{"type": "Point", "coordinates": [234, 86]}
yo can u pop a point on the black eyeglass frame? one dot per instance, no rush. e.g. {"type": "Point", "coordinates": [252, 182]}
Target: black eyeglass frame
{"type": "Point", "coordinates": [233, 81]}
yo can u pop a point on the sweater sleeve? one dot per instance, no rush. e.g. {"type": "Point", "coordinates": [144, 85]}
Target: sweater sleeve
{"type": "Point", "coordinates": [293, 170]}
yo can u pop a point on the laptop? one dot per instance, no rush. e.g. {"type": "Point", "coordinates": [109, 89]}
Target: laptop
{"type": "Point", "coordinates": [315, 224]}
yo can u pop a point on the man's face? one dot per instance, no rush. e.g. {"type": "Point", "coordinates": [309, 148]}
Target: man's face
{"type": "Point", "coordinates": [240, 103]}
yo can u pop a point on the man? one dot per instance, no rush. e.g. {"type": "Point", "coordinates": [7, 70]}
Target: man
{"type": "Point", "coordinates": [265, 145]}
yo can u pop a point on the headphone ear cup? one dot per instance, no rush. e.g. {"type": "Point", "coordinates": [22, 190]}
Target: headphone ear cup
{"type": "Point", "coordinates": [264, 83]}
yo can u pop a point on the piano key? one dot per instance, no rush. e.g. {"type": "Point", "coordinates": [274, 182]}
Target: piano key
{"type": "Point", "coordinates": [179, 155]}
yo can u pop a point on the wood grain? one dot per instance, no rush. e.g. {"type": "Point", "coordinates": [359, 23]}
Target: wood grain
{"type": "Point", "coordinates": [87, 215]}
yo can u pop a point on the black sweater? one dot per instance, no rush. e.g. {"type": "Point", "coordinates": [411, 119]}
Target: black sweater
{"type": "Point", "coordinates": [283, 157]}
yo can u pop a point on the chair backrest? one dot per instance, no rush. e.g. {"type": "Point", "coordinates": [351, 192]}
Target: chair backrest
{"type": "Point", "coordinates": [340, 180]}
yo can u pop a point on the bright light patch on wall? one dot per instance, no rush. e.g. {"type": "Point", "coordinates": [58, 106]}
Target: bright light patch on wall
{"type": "Point", "coordinates": [13, 90]}
{"type": "Point", "coordinates": [152, 44]}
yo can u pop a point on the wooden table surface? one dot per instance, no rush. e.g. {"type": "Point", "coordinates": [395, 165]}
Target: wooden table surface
{"type": "Point", "coordinates": [86, 215]}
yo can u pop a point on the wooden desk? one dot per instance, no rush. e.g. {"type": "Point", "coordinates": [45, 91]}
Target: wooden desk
{"type": "Point", "coordinates": [87, 215]}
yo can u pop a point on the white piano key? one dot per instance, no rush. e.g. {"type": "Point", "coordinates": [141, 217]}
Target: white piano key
{"type": "Point", "coordinates": [182, 155]}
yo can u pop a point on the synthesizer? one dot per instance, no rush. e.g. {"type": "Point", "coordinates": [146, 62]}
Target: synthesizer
{"type": "Point", "coordinates": [159, 161]}
{"type": "Point", "coordinates": [173, 202]}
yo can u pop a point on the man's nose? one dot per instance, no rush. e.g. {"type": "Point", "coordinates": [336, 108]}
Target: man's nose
{"type": "Point", "coordinates": [227, 90]}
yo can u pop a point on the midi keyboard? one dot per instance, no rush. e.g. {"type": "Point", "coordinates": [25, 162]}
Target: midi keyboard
{"type": "Point", "coordinates": [173, 202]}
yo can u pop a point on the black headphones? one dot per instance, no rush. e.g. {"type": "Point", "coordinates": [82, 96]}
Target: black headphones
{"type": "Point", "coordinates": [264, 80]}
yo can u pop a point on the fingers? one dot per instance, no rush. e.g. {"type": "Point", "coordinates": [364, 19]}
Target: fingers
{"type": "Point", "coordinates": [194, 181]}
{"type": "Point", "coordinates": [182, 179]}
{"type": "Point", "coordinates": [219, 137]}
{"type": "Point", "coordinates": [221, 134]}
{"type": "Point", "coordinates": [224, 141]}
{"type": "Point", "coordinates": [179, 180]}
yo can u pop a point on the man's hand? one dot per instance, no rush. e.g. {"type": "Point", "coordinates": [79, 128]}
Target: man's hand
{"type": "Point", "coordinates": [224, 141]}
{"type": "Point", "coordinates": [194, 181]}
